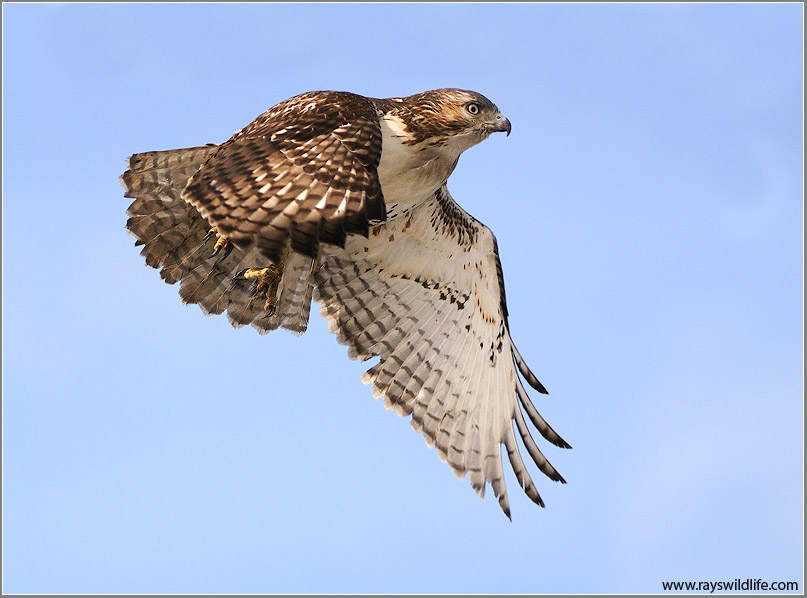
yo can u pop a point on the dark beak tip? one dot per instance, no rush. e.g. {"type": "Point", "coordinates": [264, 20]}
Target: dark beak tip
{"type": "Point", "coordinates": [504, 126]}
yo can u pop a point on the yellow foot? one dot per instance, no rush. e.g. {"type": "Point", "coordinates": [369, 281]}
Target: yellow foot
{"type": "Point", "coordinates": [267, 281]}
{"type": "Point", "coordinates": [222, 244]}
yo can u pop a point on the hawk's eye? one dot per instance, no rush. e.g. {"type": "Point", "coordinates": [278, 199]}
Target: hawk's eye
{"type": "Point", "coordinates": [473, 108]}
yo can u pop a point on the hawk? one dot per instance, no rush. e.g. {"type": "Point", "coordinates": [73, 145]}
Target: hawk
{"type": "Point", "coordinates": [342, 198]}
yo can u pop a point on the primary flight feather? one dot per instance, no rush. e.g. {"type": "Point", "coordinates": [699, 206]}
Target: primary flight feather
{"type": "Point", "coordinates": [342, 198]}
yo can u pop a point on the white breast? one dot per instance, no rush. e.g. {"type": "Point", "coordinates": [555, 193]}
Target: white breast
{"type": "Point", "coordinates": [409, 174]}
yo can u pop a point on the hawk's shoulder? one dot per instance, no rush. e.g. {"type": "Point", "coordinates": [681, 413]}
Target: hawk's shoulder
{"type": "Point", "coordinates": [310, 114]}
{"type": "Point", "coordinates": [303, 172]}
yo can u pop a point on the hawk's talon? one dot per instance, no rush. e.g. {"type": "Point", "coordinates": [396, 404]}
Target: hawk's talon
{"type": "Point", "coordinates": [224, 244]}
{"type": "Point", "coordinates": [210, 235]}
{"type": "Point", "coordinates": [221, 244]}
{"type": "Point", "coordinates": [267, 282]}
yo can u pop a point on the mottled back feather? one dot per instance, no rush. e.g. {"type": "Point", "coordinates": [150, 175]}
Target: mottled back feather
{"type": "Point", "coordinates": [303, 171]}
{"type": "Point", "coordinates": [176, 241]}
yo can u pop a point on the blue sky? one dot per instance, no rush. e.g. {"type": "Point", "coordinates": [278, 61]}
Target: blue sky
{"type": "Point", "coordinates": [648, 207]}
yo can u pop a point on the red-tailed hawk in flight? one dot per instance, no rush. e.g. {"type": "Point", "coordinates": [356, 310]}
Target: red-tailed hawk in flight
{"type": "Point", "coordinates": [343, 198]}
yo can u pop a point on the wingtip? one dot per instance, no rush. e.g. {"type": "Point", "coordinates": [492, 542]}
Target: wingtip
{"type": "Point", "coordinates": [531, 378]}
{"type": "Point", "coordinates": [536, 498]}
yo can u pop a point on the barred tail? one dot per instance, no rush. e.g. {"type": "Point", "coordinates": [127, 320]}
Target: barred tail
{"type": "Point", "coordinates": [175, 240]}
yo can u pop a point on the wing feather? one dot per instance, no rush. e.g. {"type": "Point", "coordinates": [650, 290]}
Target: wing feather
{"type": "Point", "coordinates": [425, 294]}
{"type": "Point", "coordinates": [521, 471]}
{"type": "Point", "coordinates": [175, 239]}
{"type": "Point", "coordinates": [526, 372]}
{"type": "Point", "coordinates": [537, 420]}
{"type": "Point", "coordinates": [543, 464]}
{"type": "Point", "coordinates": [392, 381]}
{"type": "Point", "coordinates": [303, 172]}
{"type": "Point", "coordinates": [410, 378]}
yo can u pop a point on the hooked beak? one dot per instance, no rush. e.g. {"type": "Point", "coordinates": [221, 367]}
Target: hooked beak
{"type": "Point", "coordinates": [500, 124]}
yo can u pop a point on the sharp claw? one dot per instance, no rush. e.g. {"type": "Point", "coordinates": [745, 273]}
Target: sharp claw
{"type": "Point", "coordinates": [222, 243]}
{"type": "Point", "coordinates": [266, 282]}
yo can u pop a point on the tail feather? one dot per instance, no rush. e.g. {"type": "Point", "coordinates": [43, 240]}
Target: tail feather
{"type": "Point", "coordinates": [294, 303]}
{"type": "Point", "coordinates": [172, 233]}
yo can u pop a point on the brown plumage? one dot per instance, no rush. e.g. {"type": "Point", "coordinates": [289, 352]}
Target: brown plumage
{"type": "Point", "coordinates": [343, 198]}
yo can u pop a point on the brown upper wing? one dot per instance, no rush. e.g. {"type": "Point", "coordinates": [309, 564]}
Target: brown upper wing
{"type": "Point", "coordinates": [304, 170]}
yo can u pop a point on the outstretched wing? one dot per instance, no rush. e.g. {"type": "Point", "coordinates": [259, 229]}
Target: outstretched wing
{"type": "Point", "coordinates": [425, 293]}
{"type": "Point", "coordinates": [304, 170]}
{"type": "Point", "coordinates": [176, 240]}
{"type": "Point", "coordinates": [166, 226]}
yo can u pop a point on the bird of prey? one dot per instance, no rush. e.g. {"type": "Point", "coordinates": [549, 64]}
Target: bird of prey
{"type": "Point", "coordinates": [342, 198]}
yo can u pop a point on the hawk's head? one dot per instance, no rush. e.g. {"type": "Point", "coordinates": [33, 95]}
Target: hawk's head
{"type": "Point", "coordinates": [453, 117]}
